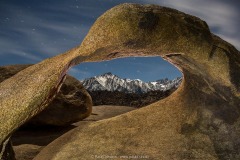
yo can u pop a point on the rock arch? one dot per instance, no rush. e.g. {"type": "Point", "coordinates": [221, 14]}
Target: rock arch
{"type": "Point", "coordinates": [200, 120]}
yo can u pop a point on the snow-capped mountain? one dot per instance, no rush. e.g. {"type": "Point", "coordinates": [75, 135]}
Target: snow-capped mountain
{"type": "Point", "coordinates": [111, 82]}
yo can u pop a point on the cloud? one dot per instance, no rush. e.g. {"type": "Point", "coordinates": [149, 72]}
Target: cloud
{"type": "Point", "coordinates": [45, 31]}
{"type": "Point", "coordinates": [11, 48]}
{"type": "Point", "coordinates": [31, 57]}
{"type": "Point", "coordinates": [79, 74]}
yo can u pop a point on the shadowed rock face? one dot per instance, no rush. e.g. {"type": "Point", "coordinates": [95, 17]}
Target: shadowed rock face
{"type": "Point", "coordinates": [72, 103]}
{"type": "Point", "coordinates": [7, 152]}
{"type": "Point", "coordinates": [198, 121]}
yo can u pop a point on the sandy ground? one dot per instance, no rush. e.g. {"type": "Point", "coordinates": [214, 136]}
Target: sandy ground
{"type": "Point", "coordinates": [28, 142]}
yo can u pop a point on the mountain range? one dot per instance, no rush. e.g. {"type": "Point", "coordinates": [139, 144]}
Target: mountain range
{"type": "Point", "coordinates": [111, 82]}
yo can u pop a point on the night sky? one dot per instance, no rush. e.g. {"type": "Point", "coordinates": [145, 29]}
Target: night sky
{"type": "Point", "coordinates": [32, 30]}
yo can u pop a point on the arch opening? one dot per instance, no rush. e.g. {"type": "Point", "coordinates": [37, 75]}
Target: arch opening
{"type": "Point", "coordinates": [129, 81]}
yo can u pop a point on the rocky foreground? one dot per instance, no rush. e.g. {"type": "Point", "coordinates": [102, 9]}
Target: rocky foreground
{"type": "Point", "coordinates": [29, 141]}
{"type": "Point", "coordinates": [198, 121]}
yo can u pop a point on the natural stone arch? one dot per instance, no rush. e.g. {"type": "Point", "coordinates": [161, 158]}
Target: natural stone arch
{"type": "Point", "coordinates": [207, 101]}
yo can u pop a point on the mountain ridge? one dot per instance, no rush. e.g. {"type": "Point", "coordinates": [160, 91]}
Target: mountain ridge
{"type": "Point", "coordinates": [112, 82]}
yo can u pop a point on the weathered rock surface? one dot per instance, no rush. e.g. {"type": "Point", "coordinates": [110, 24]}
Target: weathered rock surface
{"type": "Point", "coordinates": [198, 121]}
{"type": "Point", "coordinates": [10, 70]}
{"type": "Point", "coordinates": [72, 103]}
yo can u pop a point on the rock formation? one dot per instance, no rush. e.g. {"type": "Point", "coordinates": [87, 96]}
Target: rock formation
{"type": "Point", "coordinates": [198, 121]}
{"type": "Point", "coordinates": [71, 104]}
